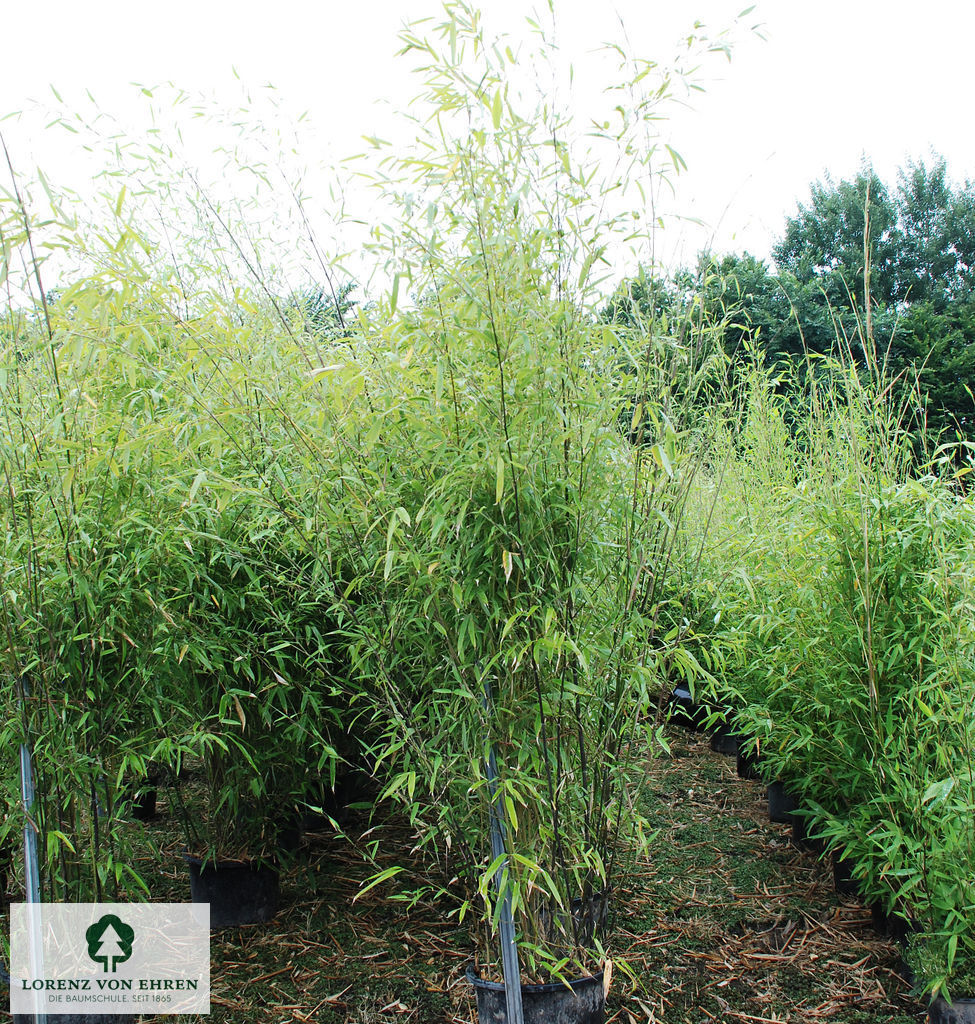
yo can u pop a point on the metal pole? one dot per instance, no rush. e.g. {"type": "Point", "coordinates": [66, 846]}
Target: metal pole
{"type": "Point", "coordinates": [509, 944]}
{"type": "Point", "coordinates": [32, 871]}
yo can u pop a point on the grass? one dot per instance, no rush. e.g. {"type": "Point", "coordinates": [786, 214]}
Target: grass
{"type": "Point", "coordinates": [726, 921]}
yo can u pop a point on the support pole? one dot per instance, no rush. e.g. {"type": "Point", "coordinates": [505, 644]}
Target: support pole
{"type": "Point", "coordinates": [509, 944]}
{"type": "Point", "coordinates": [32, 868]}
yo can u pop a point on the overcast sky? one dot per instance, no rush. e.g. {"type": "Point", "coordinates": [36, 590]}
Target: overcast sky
{"type": "Point", "coordinates": [831, 81]}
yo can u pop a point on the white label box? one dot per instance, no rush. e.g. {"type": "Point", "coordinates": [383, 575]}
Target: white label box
{"type": "Point", "coordinates": [125, 958]}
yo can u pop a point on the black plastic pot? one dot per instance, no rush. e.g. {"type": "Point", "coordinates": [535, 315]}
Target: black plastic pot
{"type": "Point", "coordinates": [747, 764]}
{"type": "Point", "coordinates": [238, 892]}
{"type": "Point", "coordinates": [6, 862]}
{"type": "Point", "coordinates": [80, 1018]}
{"type": "Point", "coordinates": [724, 740]}
{"type": "Point", "coordinates": [580, 1002]}
{"type": "Point", "coordinates": [958, 1011]}
{"type": "Point", "coordinates": [895, 925]}
{"type": "Point", "coordinates": [589, 919]}
{"type": "Point", "coordinates": [843, 880]}
{"type": "Point", "coordinates": [683, 710]}
{"type": "Point", "coordinates": [69, 1018]}
{"type": "Point", "coordinates": [781, 803]}
{"type": "Point", "coordinates": [801, 837]}
{"type": "Point", "coordinates": [144, 804]}
{"type": "Point", "coordinates": [83, 1018]}
{"type": "Point", "coordinates": [141, 793]}
{"type": "Point", "coordinates": [289, 833]}
{"type": "Point", "coordinates": [355, 788]}
{"type": "Point", "coordinates": [904, 965]}
{"type": "Point", "coordinates": [62, 1018]}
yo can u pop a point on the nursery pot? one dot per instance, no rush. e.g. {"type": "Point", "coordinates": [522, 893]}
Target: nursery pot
{"type": "Point", "coordinates": [353, 787]}
{"type": "Point", "coordinates": [144, 804]}
{"type": "Point", "coordinates": [61, 1018]}
{"type": "Point", "coordinates": [79, 1018]}
{"type": "Point", "coordinates": [897, 926]}
{"type": "Point", "coordinates": [580, 1002]}
{"type": "Point", "coordinates": [289, 833]}
{"type": "Point", "coordinates": [959, 1011]}
{"type": "Point", "coordinates": [781, 803]}
{"type": "Point", "coordinates": [239, 892]}
{"type": "Point", "coordinates": [747, 764]}
{"type": "Point", "coordinates": [843, 880]}
{"type": "Point", "coordinates": [589, 918]}
{"type": "Point", "coordinates": [6, 860]}
{"type": "Point", "coordinates": [685, 711]}
{"type": "Point", "coordinates": [800, 834]}
{"type": "Point", "coordinates": [141, 794]}
{"type": "Point", "coordinates": [724, 740]}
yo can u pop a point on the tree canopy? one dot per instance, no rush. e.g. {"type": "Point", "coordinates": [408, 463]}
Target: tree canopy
{"type": "Point", "coordinates": [921, 237]}
{"type": "Point", "coordinates": [916, 237]}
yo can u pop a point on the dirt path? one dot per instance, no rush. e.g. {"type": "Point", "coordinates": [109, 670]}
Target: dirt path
{"type": "Point", "coordinates": [732, 923]}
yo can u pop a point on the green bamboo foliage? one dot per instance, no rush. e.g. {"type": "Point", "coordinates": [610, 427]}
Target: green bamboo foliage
{"type": "Point", "coordinates": [448, 522]}
{"type": "Point", "coordinates": [150, 613]}
{"type": "Point", "coordinates": [501, 548]}
{"type": "Point", "coordinates": [843, 558]}
{"type": "Point", "coordinates": [80, 489]}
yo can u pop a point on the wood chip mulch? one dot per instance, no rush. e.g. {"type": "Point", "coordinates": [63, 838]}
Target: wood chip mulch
{"type": "Point", "coordinates": [726, 921]}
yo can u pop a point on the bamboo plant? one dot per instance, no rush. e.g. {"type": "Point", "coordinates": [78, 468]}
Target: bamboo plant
{"type": "Point", "coordinates": [501, 551]}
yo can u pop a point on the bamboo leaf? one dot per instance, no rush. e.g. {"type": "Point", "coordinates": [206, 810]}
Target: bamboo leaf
{"type": "Point", "coordinates": [383, 876]}
{"type": "Point", "coordinates": [637, 417]}
{"type": "Point", "coordinates": [497, 110]}
{"type": "Point", "coordinates": [662, 459]}
{"type": "Point", "coordinates": [197, 482]}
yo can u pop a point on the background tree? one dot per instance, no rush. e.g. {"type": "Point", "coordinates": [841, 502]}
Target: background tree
{"type": "Point", "coordinates": [920, 237]}
{"type": "Point", "coordinates": [325, 312]}
{"type": "Point", "coordinates": [936, 248]}
{"type": "Point", "coordinates": [824, 241]}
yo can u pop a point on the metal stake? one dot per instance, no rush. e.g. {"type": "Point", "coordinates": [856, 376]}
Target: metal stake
{"type": "Point", "coordinates": [32, 872]}
{"type": "Point", "coordinates": [509, 944]}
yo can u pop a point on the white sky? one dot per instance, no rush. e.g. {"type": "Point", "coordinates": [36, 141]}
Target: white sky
{"type": "Point", "coordinates": [833, 80]}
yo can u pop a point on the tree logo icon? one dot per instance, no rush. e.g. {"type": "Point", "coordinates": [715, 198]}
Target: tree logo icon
{"type": "Point", "coordinates": [109, 942]}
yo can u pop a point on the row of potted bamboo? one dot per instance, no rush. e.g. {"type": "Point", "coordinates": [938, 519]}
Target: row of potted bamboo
{"type": "Point", "coordinates": [849, 651]}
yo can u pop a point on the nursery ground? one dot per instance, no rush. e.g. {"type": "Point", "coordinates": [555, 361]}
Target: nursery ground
{"type": "Point", "coordinates": [727, 922]}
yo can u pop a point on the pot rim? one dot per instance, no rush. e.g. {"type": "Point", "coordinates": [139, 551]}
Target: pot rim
{"type": "Point", "coordinates": [553, 986]}
{"type": "Point", "coordinates": [254, 864]}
